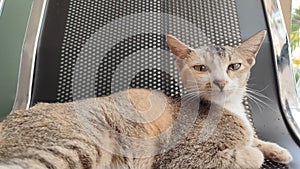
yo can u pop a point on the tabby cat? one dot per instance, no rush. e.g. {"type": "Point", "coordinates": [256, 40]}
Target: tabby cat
{"type": "Point", "coordinates": [139, 128]}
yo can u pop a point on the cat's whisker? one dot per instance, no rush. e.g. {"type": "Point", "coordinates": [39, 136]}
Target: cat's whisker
{"type": "Point", "coordinates": [187, 99]}
{"type": "Point", "coordinates": [258, 104]}
{"type": "Point", "coordinates": [191, 89]}
{"type": "Point", "coordinates": [195, 81]}
{"type": "Point", "coordinates": [188, 95]}
{"type": "Point", "coordinates": [250, 95]}
{"type": "Point", "coordinates": [254, 95]}
{"type": "Point", "coordinates": [194, 86]}
{"type": "Point", "coordinates": [259, 101]}
{"type": "Point", "coordinates": [263, 88]}
{"type": "Point", "coordinates": [257, 93]}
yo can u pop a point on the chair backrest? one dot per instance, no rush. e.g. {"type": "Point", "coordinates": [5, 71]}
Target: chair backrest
{"type": "Point", "coordinates": [109, 46]}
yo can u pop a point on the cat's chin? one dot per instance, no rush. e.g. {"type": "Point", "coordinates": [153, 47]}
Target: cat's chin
{"type": "Point", "coordinates": [219, 96]}
{"type": "Point", "coordinates": [225, 97]}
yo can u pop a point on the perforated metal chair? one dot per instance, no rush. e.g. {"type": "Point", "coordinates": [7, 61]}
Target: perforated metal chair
{"type": "Point", "coordinates": [76, 49]}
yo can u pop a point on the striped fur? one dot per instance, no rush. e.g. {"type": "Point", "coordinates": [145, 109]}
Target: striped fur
{"type": "Point", "coordinates": [55, 135]}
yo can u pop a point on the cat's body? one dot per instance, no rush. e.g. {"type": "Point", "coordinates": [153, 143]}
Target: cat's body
{"type": "Point", "coordinates": [140, 128]}
{"type": "Point", "coordinates": [57, 135]}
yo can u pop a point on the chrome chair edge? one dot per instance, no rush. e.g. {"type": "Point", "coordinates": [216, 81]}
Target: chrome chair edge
{"type": "Point", "coordinates": [284, 66]}
{"type": "Point", "coordinates": [30, 44]}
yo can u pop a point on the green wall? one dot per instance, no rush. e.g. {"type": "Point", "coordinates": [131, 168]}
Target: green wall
{"type": "Point", "coordinates": [13, 22]}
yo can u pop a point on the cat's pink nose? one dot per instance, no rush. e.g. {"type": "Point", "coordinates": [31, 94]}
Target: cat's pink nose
{"type": "Point", "coordinates": [220, 83]}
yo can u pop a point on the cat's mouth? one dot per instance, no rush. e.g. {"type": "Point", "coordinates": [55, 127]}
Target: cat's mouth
{"type": "Point", "coordinates": [225, 94]}
{"type": "Point", "coordinates": [221, 92]}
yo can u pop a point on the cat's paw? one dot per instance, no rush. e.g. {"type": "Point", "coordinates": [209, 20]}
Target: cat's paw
{"type": "Point", "coordinates": [273, 151]}
{"type": "Point", "coordinates": [249, 158]}
{"type": "Point", "coordinates": [278, 154]}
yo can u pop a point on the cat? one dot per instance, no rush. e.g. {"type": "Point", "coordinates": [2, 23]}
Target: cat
{"type": "Point", "coordinates": [141, 128]}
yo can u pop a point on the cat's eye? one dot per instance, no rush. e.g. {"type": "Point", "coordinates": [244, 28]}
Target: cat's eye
{"type": "Point", "coordinates": [200, 68]}
{"type": "Point", "coordinates": [234, 67]}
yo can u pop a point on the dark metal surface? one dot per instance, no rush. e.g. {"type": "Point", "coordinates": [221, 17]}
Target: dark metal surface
{"type": "Point", "coordinates": [47, 65]}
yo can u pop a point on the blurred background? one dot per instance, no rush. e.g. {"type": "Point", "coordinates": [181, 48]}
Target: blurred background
{"type": "Point", "coordinates": [13, 22]}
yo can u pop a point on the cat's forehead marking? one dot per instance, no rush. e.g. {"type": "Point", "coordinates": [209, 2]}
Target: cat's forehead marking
{"type": "Point", "coordinates": [218, 50]}
{"type": "Point", "coordinates": [213, 51]}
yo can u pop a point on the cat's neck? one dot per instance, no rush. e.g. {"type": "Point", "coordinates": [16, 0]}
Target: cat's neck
{"type": "Point", "coordinates": [232, 103]}
{"type": "Point", "coordinates": [235, 105]}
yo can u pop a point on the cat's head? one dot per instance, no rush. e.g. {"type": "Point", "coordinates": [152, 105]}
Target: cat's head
{"type": "Point", "coordinates": [216, 70]}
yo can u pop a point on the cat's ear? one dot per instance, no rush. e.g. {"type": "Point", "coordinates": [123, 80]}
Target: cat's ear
{"type": "Point", "coordinates": [178, 48]}
{"type": "Point", "coordinates": [251, 46]}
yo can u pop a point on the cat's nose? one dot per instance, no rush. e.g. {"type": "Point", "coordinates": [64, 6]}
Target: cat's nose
{"type": "Point", "coordinates": [220, 83]}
